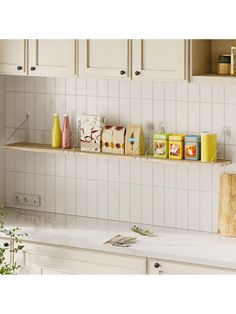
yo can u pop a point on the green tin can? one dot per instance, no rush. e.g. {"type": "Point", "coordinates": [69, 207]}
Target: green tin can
{"type": "Point", "coordinates": [161, 145]}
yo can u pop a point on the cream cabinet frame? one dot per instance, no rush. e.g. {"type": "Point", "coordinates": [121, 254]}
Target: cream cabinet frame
{"type": "Point", "coordinates": [52, 57]}
{"type": "Point", "coordinates": [99, 60]}
{"type": "Point", "coordinates": [13, 56]}
{"type": "Point", "coordinates": [160, 59]}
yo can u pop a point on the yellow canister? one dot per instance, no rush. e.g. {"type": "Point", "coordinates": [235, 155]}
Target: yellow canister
{"type": "Point", "coordinates": [176, 146]}
{"type": "Point", "coordinates": [208, 147]}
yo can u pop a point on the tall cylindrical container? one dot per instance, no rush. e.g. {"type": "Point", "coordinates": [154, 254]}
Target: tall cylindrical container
{"type": "Point", "coordinates": [208, 147]}
{"type": "Point", "coordinates": [56, 132]}
{"type": "Point", "coordinates": [66, 133]}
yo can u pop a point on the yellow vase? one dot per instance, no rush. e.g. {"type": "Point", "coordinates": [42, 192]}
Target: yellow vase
{"type": "Point", "coordinates": [208, 147]}
{"type": "Point", "coordinates": [56, 132]}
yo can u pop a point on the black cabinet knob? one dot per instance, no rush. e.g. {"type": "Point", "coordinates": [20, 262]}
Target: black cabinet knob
{"type": "Point", "coordinates": [156, 265]}
{"type": "Point", "coordinates": [122, 72]}
{"type": "Point", "coordinates": [19, 68]}
{"type": "Point", "coordinates": [32, 68]}
{"type": "Point", "coordinates": [137, 73]}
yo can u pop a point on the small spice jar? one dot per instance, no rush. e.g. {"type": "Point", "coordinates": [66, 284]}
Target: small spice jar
{"type": "Point", "coordinates": [161, 145]}
{"type": "Point", "coordinates": [192, 147]}
{"type": "Point", "coordinates": [176, 146]}
{"type": "Point", "coordinates": [224, 64]}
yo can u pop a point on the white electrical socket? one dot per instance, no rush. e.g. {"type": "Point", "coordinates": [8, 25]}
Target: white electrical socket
{"type": "Point", "coordinates": [27, 199]}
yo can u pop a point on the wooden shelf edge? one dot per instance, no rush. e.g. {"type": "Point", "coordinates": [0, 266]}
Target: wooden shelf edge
{"type": "Point", "coordinates": [214, 79]}
{"type": "Point", "coordinates": [45, 148]}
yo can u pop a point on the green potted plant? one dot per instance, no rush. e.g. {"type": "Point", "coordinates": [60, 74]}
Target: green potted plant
{"type": "Point", "coordinates": [13, 244]}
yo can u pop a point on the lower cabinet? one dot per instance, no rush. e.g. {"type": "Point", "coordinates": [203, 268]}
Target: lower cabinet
{"type": "Point", "coordinates": [53, 260]}
{"type": "Point", "coordinates": [163, 267]}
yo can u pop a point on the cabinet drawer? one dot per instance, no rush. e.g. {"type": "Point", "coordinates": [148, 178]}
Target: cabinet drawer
{"type": "Point", "coordinates": [162, 267]}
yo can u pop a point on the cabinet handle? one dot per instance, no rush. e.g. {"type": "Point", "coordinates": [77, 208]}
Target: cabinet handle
{"type": "Point", "coordinates": [122, 72]}
{"type": "Point", "coordinates": [32, 68]}
{"type": "Point", "coordinates": [19, 67]}
{"type": "Point", "coordinates": [156, 265]}
{"type": "Point", "coordinates": [137, 73]}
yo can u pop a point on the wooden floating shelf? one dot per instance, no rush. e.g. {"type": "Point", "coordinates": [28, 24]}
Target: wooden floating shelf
{"type": "Point", "coordinates": [212, 78]}
{"type": "Point", "coordinates": [46, 148]}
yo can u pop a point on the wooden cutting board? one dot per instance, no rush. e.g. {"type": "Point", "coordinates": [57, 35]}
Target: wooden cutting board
{"type": "Point", "coordinates": [227, 205]}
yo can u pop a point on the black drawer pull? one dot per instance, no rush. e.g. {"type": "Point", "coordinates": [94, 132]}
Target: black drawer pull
{"type": "Point", "coordinates": [157, 265]}
{"type": "Point", "coordinates": [137, 73]}
{"type": "Point", "coordinates": [32, 68]}
{"type": "Point", "coordinates": [19, 68]}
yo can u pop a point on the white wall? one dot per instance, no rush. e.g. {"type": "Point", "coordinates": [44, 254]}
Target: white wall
{"type": "Point", "coordinates": [142, 192]}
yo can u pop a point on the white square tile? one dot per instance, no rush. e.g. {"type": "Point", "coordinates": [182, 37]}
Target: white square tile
{"type": "Point", "coordinates": [146, 173]}
{"type": "Point", "coordinates": [102, 169]}
{"type": "Point", "coordinates": [193, 117]}
{"type": "Point", "coordinates": [102, 88]}
{"type": "Point", "coordinates": [230, 94]}
{"type": "Point", "coordinates": [146, 90]}
{"type": "Point", "coordinates": [205, 117]}
{"type": "Point", "coordinates": [60, 165]}
{"type": "Point", "coordinates": [20, 182]}
{"type": "Point", "coordinates": [81, 197]}
{"type": "Point", "coordinates": [29, 183]}
{"type": "Point", "coordinates": [170, 91]}
{"type": "Point", "coordinates": [20, 83]}
{"type": "Point", "coordinates": [39, 190]}
{"type": "Point", "coordinates": [113, 169]}
{"type": "Point", "coordinates": [81, 86]}
{"type": "Point", "coordinates": [182, 209]}
{"type": "Point", "coordinates": [170, 116]}
{"type": "Point", "coordinates": [218, 112]}
{"type": "Point", "coordinates": [39, 111]}
{"type": "Point", "coordinates": [20, 161]}
{"type": "Point", "coordinates": [113, 88]}
{"type": "Point", "coordinates": [92, 168]}
{"type": "Point", "coordinates": [159, 90]}
{"type": "Point", "coordinates": [124, 202]}
{"type": "Point", "coordinates": [205, 178]}
{"type": "Point", "coordinates": [50, 85]}
{"type": "Point", "coordinates": [125, 170]}
{"type": "Point", "coordinates": [182, 177]}
{"type": "Point", "coordinates": [136, 111]}
{"type": "Point", "coordinates": [10, 110]}
{"type": "Point", "coordinates": [170, 176]}
{"type": "Point", "coordinates": [70, 86]}
{"type": "Point", "coordinates": [92, 198]}
{"type": "Point", "coordinates": [29, 108]}
{"type": "Point", "coordinates": [135, 171]}
{"type": "Point", "coordinates": [170, 207]}
{"type": "Point", "coordinates": [215, 205]}
{"type": "Point", "coordinates": [10, 160]}
{"type": "Point", "coordinates": [71, 111]}
{"type": "Point", "coordinates": [125, 89]}
{"type": "Point", "coordinates": [182, 92]}
{"type": "Point", "coordinates": [60, 195]}
{"type": "Point", "coordinates": [136, 203]}
{"type": "Point", "coordinates": [218, 93]}
{"type": "Point", "coordinates": [102, 200]}
{"type": "Point", "coordinates": [113, 201]}
{"type": "Point", "coordinates": [50, 109]}
{"type": "Point", "coordinates": [205, 93]}
{"type": "Point", "coordinates": [158, 114]}
{"type": "Point", "coordinates": [70, 196]}
{"type": "Point", "coordinates": [20, 109]}
{"type": "Point", "coordinates": [230, 114]}
{"type": "Point", "coordinates": [182, 117]}
{"type": "Point", "coordinates": [103, 106]}
{"type": "Point", "coordinates": [113, 111]}
{"type": "Point", "coordinates": [194, 178]}
{"type": "Point", "coordinates": [71, 166]}
{"type": "Point", "coordinates": [216, 173]}
{"type": "Point", "coordinates": [50, 193]}
{"type": "Point", "coordinates": [60, 107]}
{"type": "Point", "coordinates": [158, 206]}
{"type": "Point", "coordinates": [193, 92]}
{"type": "Point", "coordinates": [50, 164]}
{"type": "Point", "coordinates": [92, 87]}
{"type": "Point", "coordinates": [158, 174]}
{"type": "Point", "coordinates": [146, 116]}
{"type": "Point", "coordinates": [39, 163]}
{"type": "Point", "coordinates": [205, 212]}
{"type": "Point", "coordinates": [10, 189]}
{"type": "Point", "coordinates": [39, 84]}
{"type": "Point", "coordinates": [10, 83]}
{"type": "Point", "coordinates": [29, 162]}
{"type": "Point", "coordinates": [92, 105]}
{"type": "Point", "coordinates": [124, 111]}
{"type": "Point", "coordinates": [194, 210]}
{"type": "Point", "coordinates": [81, 166]}
{"type": "Point", "coordinates": [29, 84]}
{"type": "Point", "coordinates": [146, 204]}
{"type": "Point", "coordinates": [136, 88]}
{"type": "Point", "coordinates": [60, 85]}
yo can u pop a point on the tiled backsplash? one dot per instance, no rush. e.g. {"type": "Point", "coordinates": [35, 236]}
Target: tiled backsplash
{"type": "Point", "coordinates": [127, 190]}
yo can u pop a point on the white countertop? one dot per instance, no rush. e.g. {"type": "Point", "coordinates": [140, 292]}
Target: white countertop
{"type": "Point", "coordinates": [88, 233]}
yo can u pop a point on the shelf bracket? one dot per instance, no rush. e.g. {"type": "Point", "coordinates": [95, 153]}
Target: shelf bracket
{"type": "Point", "coordinates": [19, 127]}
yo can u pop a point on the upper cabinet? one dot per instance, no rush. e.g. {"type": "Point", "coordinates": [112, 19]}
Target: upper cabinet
{"type": "Point", "coordinates": [13, 56]}
{"type": "Point", "coordinates": [49, 57]}
{"type": "Point", "coordinates": [160, 59]}
{"type": "Point", "coordinates": [106, 58]}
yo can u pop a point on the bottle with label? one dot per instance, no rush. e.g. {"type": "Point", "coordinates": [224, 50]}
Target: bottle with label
{"type": "Point", "coordinates": [56, 132]}
{"type": "Point", "coordinates": [66, 133]}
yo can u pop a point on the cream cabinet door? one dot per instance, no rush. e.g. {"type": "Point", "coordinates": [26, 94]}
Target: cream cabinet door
{"type": "Point", "coordinates": [159, 59]}
{"type": "Point", "coordinates": [104, 58]}
{"type": "Point", "coordinates": [13, 56]}
{"type": "Point", "coordinates": [52, 57]}
{"type": "Point", "coordinates": [162, 267]}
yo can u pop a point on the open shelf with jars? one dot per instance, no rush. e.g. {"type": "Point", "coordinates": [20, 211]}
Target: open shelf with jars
{"type": "Point", "coordinates": [46, 148]}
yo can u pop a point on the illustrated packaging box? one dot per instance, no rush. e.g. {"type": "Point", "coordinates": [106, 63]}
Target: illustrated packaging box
{"type": "Point", "coordinates": [134, 140]}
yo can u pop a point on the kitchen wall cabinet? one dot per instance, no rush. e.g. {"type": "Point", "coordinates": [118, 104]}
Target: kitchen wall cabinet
{"type": "Point", "coordinates": [52, 57]}
{"type": "Point", "coordinates": [162, 267]}
{"type": "Point", "coordinates": [13, 56]}
{"type": "Point", "coordinates": [47, 259]}
{"type": "Point", "coordinates": [106, 58]}
{"type": "Point", "coordinates": [160, 59]}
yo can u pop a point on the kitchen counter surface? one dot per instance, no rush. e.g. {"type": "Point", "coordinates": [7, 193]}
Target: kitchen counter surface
{"type": "Point", "coordinates": [88, 233]}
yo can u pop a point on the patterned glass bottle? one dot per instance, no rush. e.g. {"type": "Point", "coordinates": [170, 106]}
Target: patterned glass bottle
{"type": "Point", "coordinates": [66, 133]}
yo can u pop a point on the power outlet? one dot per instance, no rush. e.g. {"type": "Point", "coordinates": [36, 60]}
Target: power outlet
{"type": "Point", "coordinates": [21, 199]}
